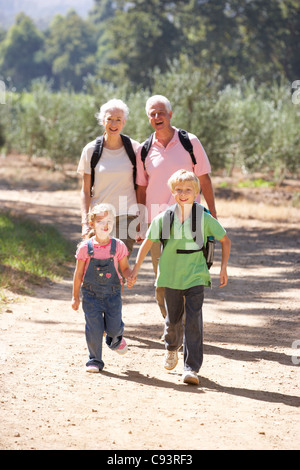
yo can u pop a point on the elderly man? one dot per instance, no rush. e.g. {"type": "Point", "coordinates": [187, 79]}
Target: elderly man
{"type": "Point", "coordinates": [157, 159]}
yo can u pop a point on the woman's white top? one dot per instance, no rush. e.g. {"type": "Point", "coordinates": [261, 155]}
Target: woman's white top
{"type": "Point", "coordinates": [113, 178]}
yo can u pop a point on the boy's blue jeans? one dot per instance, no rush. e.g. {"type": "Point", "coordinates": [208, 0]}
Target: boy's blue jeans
{"type": "Point", "coordinates": [189, 300]}
{"type": "Point", "coordinates": [103, 312]}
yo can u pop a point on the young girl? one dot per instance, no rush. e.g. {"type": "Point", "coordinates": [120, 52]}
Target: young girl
{"type": "Point", "coordinates": [96, 271]}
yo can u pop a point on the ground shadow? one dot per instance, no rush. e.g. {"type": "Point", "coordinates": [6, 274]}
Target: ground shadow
{"type": "Point", "coordinates": [207, 384]}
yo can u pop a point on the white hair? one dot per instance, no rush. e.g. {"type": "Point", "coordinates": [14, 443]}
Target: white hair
{"type": "Point", "coordinates": [158, 99]}
{"type": "Point", "coordinates": [109, 106]}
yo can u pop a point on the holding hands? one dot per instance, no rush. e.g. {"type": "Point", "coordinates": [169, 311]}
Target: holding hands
{"type": "Point", "coordinates": [131, 279]}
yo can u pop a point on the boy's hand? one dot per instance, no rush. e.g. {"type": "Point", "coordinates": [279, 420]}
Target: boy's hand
{"type": "Point", "coordinates": [75, 304]}
{"type": "Point", "coordinates": [223, 277]}
{"type": "Point", "coordinates": [225, 242]}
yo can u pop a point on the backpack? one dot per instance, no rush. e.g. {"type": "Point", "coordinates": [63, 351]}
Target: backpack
{"type": "Point", "coordinates": [197, 231]}
{"type": "Point", "coordinates": [184, 139]}
{"type": "Point", "coordinates": [98, 152]}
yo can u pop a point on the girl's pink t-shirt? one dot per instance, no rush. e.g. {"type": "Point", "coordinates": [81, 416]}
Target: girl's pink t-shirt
{"type": "Point", "coordinates": [102, 252]}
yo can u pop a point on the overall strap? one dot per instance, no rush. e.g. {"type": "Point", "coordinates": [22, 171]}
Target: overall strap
{"type": "Point", "coordinates": [113, 246]}
{"type": "Point", "coordinates": [90, 247]}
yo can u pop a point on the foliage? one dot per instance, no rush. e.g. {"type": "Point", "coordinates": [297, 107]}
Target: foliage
{"type": "Point", "coordinates": [126, 41]}
{"type": "Point", "coordinates": [20, 59]}
{"type": "Point", "coordinates": [139, 37]}
{"type": "Point", "coordinates": [246, 126]}
{"type": "Point", "coordinates": [263, 125]}
{"type": "Point", "coordinates": [197, 105]}
{"type": "Point", "coordinates": [70, 47]}
{"type": "Point", "coordinates": [55, 125]}
{"type": "Point", "coordinates": [30, 252]}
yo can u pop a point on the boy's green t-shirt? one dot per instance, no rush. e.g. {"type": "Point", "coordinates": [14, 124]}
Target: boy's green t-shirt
{"type": "Point", "coordinates": [182, 271]}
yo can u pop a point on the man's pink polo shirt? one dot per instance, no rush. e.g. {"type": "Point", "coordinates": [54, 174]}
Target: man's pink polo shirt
{"type": "Point", "coordinates": [160, 164]}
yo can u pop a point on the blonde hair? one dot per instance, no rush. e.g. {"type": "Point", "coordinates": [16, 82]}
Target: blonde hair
{"type": "Point", "coordinates": [99, 209]}
{"type": "Point", "coordinates": [182, 176]}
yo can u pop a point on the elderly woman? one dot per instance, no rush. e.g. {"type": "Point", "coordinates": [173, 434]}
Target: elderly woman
{"type": "Point", "coordinates": [112, 179]}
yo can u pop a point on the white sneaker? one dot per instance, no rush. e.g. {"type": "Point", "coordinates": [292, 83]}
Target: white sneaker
{"type": "Point", "coordinates": [190, 377]}
{"type": "Point", "coordinates": [92, 368]}
{"type": "Point", "coordinates": [170, 359]}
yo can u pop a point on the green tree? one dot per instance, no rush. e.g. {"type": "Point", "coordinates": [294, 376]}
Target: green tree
{"type": "Point", "coordinates": [20, 57]}
{"type": "Point", "coordinates": [102, 11]}
{"type": "Point", "coordinates": [70, 48]}
{"type": "Point", "coordinates": [271, 38]}
{"type": "Point", "coordinates": [195, 97]}
{"type": "Point", "coordinates": [257, 38]}
{"type": "Point", "coordinates": [138, 38]}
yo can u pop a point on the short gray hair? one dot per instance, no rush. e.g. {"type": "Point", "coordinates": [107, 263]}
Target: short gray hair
{"type": "Point", "coordinates": [109, 106]}
{"type": "Point", "coordinates": [158, 99]}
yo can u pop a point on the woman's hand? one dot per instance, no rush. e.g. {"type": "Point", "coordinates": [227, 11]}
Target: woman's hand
{"type": "Point", "coordinates": [85, 228]}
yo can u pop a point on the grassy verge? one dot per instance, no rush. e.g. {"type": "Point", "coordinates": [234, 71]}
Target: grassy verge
{"type": "Point", "coordinates": [244, 209]}
{"type": "Point", "coordinates": [30, 254]}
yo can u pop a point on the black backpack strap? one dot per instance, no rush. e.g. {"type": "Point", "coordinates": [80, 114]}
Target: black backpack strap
{"type": "Point", "coordinates": [184, 140]}
{"type": "Point", "coordinates": [95, 159]}
{"type": "Point", "coordinates": [196, 228]}
{"type": "Point", "coordinates": [146, 147]}
{"type": "Point", "coordinates": [186, 143]}
{"type": "Point", "coordinates": [98, 149]}
{"type": "Point", "coordinates": [167, 222]}
{"type": "Point", "coordinates": [131, 154]}
{"type": "Point", "coordinates": [197, 213]}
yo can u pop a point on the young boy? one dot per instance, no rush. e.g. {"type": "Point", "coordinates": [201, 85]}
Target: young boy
{"type": "Point", "coordinates": [183, 272]}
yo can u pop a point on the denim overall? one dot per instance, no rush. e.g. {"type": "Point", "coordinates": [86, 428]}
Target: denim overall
{"type": "Point", "coordinates": [102, 304]}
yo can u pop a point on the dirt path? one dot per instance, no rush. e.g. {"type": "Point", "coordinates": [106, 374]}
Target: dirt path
{"type": "Point", "coordinates": [248, 396]}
